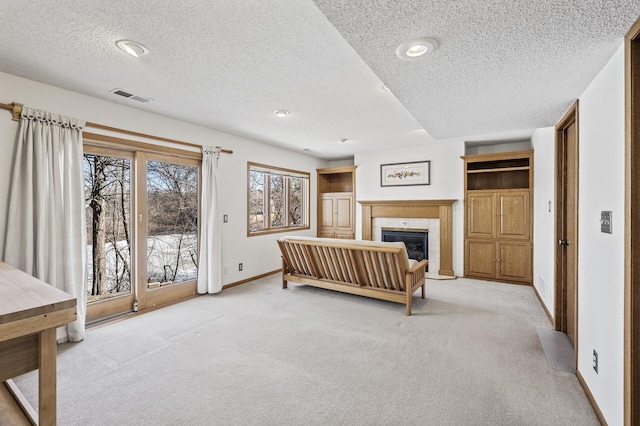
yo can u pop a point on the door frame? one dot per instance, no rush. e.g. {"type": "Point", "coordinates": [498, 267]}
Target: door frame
{"type": "Point", "coordinates": [632, 228]}
{"type": "Point", "coordinates": [560, 320]}
{"type": "Point", "coordinates": [139, 153]}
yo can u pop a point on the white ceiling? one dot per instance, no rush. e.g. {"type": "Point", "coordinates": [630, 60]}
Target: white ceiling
{"type": "Point", "coordinates": [502, 68]}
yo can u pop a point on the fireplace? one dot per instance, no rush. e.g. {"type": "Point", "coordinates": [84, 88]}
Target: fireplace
{"type": "Point", "coordinates": [416, 242]}
{"type": "Point", "coordinates": [406, 211]}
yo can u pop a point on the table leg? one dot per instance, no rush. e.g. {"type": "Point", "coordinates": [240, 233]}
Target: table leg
{"type": "Point", "coordinates": [47, 377]}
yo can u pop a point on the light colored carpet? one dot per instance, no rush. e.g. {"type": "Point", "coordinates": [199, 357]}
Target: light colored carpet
{"type": "Point", "coordinates": [259, 355]}
{"type": "Point", "coordinates": [557, 349]}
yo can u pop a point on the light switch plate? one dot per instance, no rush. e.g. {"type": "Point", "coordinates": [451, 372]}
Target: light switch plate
{"type": "Point", "coordinates": [605, 222]}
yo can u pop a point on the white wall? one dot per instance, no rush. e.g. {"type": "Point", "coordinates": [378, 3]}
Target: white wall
{"type": "Point", "coordinates": [341, 163]}
{"type": "Point", "coordinates": [447, 182]}
{"type": "Point", "coordinates": [500, 147]}
{"type": "Point", "coordinates": [543, 142]}
{"type": "Point", "coordinates": [259, 254]}
{"type": "Point", "coordinates": [601, 256]}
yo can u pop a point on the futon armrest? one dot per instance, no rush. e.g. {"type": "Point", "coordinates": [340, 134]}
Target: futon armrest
{"type": "Point", "coordinates": [420, 265]}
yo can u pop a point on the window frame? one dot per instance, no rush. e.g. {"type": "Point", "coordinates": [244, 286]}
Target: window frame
{"type": "Point", "coordinates": [268, 171]}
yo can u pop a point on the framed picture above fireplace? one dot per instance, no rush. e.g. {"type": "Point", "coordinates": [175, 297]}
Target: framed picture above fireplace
{"type": "Point", "coordinates": [405, 174]}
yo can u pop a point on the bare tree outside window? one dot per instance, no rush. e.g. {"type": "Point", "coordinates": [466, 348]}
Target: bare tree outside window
{"type": "Point", "coordinates": [107, 182]}
{"type": "Point", "coordinates": [172, 222]}
{"type": "Point", "coordinates": [296, 201]}
{"type": "Point", "coordinates": [256, 200]}
{"type": "Point", "coordinates": [277, 201]}
{"type": "Point", "coordinates": [282, 194]}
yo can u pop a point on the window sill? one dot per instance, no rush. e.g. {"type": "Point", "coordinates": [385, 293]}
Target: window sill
{"type": "Point", "coordinates": [276, 231]}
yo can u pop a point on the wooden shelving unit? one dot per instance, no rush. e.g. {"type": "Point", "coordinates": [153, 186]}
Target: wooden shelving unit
{"type": "Point", "coordinates": [336, 199]}
{"type": "Point", "coordinates": [499, 216]}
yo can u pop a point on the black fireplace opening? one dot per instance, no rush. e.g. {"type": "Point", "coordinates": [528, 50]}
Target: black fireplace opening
{"type": "Point", "coordinates": [416, 242]}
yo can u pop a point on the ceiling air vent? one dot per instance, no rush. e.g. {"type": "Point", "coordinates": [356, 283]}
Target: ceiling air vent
{"type": "Point", "coordinates": [140, 99]}
{"type": "Point", "coordinates": [121, 93]}
{"type": "Point", "coordinates": [125, 94]}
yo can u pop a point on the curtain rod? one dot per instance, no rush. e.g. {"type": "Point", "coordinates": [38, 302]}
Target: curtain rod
{"type": "Point", "coordinates": [16, 109]}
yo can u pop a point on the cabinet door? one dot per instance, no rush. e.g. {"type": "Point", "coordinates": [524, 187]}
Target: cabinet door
{"type": "Point", "coordinates": [513, 216]}
{"type": "Point", "coordinates": [336, 216]}
{"type": "Point", "coordinates": [481, 215]}
{"type": "Point", "coordinates": [343, 212]}
{"type": "Point", "coordinates": [327, 208]}
{"type": "Point", "coordinates": [514, 261]}
{"type": "Point", "coordinates": [480, 259]}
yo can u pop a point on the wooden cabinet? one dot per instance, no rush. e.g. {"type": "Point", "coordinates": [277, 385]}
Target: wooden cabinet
{"type": "Point", "coordinates": [499, 260]}
{"type": "Point", "coordinates": [336, 219]}
{"type": "Point", "coordinates": [336, 199]}
{"type": "Point", "coordinates": [498, 231]}
{"type": "Point", "coordinates": [498, 214]}
{"type": "Point", "coordinates": [514, 261]}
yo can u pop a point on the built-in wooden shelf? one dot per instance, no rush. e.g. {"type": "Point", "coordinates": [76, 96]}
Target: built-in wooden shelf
{"type": "Point", "coordinates": [505, 169]}
{"type": "Point", "coordinates": [499, 216]}
{"type": "Point", "coordinates": [336, 199]}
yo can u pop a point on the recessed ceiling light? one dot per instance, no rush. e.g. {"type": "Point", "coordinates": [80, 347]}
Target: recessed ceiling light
{"type": "Point", "coordinates": [281, 113]}
{"type": "Point", "coordinates": [416, 48]}
{"type": "Point", "coordinates": [133, 48]}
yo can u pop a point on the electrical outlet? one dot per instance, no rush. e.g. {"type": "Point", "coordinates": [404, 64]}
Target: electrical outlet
{"type": "Point", "coordinates": [595, 361]}
{"type": "Point", "coordinates": [239, 266]}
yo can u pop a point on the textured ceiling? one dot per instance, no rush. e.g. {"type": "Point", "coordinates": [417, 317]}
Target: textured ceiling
{"type": "Point", "coordinates": [502, 68]}
{"type": "Point", "coordinates": [501, 65]}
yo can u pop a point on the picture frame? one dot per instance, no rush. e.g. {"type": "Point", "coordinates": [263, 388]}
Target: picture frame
{"type": "Point", "coordinates": [405, 174]}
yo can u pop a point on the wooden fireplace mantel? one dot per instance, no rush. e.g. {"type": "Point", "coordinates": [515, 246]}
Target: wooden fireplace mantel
{"type": "Point", "coordinates": [424, 209]}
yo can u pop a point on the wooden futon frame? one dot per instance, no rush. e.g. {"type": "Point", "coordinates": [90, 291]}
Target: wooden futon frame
{"type": "Point", "coordinates": [380, 270]}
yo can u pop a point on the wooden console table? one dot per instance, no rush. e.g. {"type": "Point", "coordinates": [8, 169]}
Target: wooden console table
{"type": "Point", "coordinates": [30, 311]}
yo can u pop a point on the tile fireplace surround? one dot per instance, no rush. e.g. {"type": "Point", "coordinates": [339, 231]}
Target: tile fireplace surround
{"type": "Point", "coordinates": [412, 210]}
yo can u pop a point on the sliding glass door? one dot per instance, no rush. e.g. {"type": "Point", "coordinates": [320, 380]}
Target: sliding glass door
{"type": "Point", "coordinates": [110, 279]}
{"type": "Point", "coordinates": [142, 229]}
{"type": "Point", "coordinates": [169, 222]}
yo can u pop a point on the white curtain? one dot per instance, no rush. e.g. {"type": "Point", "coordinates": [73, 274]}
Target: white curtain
{"type": "Point", "coordinates": [46, 231]}
{"type": "Point", "coordinates": [210, 251]}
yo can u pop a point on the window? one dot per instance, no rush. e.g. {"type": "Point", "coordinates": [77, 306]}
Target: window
{"type": "Point", "coordinates": [107, 183]}
{"type": "Point", "coordinates": [172, 222]}
{"type": "Point", "coordinates": [278, 199]}
{"type": "Point", "coordinates": [142, 208]}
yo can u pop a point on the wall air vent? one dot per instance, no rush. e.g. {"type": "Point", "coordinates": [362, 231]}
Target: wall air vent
{"type": "Point", "coordinates": [128, 95]}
